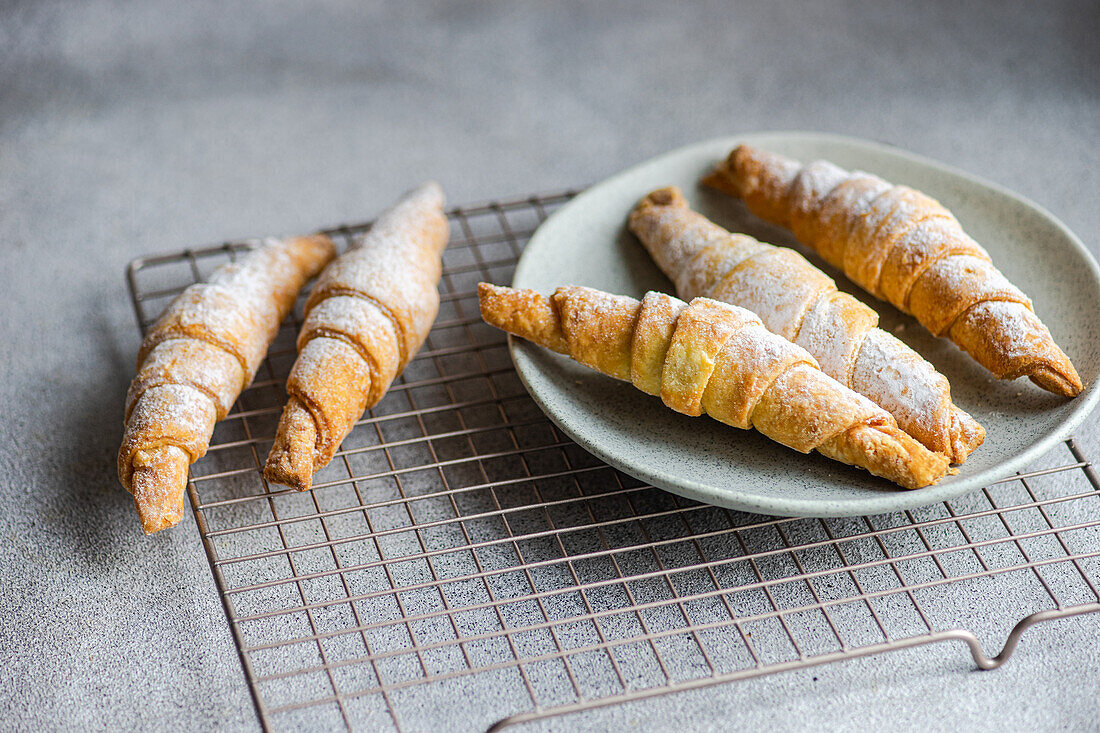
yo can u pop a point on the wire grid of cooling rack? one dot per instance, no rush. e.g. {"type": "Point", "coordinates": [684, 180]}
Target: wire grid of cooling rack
{"type": "Point", "coordinates": [461, 547]}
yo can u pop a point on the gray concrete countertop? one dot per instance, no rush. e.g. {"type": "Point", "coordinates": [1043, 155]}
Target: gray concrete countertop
{"type": "Point", "coordinates": [129, 129]}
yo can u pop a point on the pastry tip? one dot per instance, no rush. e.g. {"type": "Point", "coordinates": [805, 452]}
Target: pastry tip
{"type": "Point", "coordinates": [290, 462]}
{"type": "Point", "coordinates": [1064, 384]}
{"type": "Point", "coordinates": [157, 481]}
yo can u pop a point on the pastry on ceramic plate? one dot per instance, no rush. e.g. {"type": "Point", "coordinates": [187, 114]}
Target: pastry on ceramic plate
{"type": "Point", "coordinates": [799, 302]}
{"type": "Point", "coordinates": [715, 358]}
{"type": "Point", "coordinates": [202, 351]}
{"type": "Point", "coordinates": [903, 247]}
{"type": "Point", "coordinates": [366, 317]}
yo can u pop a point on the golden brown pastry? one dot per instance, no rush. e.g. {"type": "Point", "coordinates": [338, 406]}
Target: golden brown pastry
{"type": "Point", "coordinates": [366, 317]}
{"type": "Point", "coordinates": [712, 357]}
{"type": "Point", "coordinates": [202, 351]}
{"type": "Point", "coordinates": [799, 302]}
{"type": "Point", "coordinates": [906, 248]}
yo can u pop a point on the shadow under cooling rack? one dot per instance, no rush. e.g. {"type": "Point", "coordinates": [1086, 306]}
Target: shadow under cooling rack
{"type": "Point", "coordinates": [460, 547]}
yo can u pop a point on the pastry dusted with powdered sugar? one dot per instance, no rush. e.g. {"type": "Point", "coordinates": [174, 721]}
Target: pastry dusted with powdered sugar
{"type": "Point", "coordinates": [366, 317]}
{"type": "Point", "coordinates": [904, 247]}
{"type": "Point", "coordinates": [799, 302]}
{"type": "Point", "coordinates": [196, 359]}
{"type": "Point", "coordinates": [715, 358]}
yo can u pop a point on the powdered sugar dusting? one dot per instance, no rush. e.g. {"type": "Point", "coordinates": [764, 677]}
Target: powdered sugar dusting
{"type": "Point", "coordinates": [866, 195]}
{"type": "Point", "coordinates": [933, 238]}
{"type": "Point", "coordinates": [813, 183]}
{"type": "Point", "coordinates": [833, 338]}
{"type": "Point", "coordinates": [1019, 330]}
{"type": "Point", "coordinates": [681, 241]}
{"type": "Point", "coordinates": [778, 285]}
{"type": "Point", "coordinates": [598, 305]}
{"type": "Point", "coordinates": [962, 272]}
{"type": "Point", "coordinates": [954, 284]}
{"type": "Point", "coordinates": [320, 352]}
{"type": "Point", "coordinates": [904, 383]}
{"type": "Point", "coordinates": [170, 414]}
{"type": "Point", "coordinates": [243, 303]}
{"type": "Point", "coordinates": [396, 266]}
{"type": "Point", "coordinates": [203, 366]}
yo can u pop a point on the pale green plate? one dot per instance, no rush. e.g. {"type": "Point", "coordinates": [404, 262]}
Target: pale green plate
{"type": "Point", "coordinates": [586, 243]}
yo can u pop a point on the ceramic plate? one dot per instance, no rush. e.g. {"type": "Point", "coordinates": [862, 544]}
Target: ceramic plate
{"type": "Point", "coordinates": [586, 243]}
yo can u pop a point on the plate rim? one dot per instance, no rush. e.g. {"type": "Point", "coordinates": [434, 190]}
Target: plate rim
{"type": "Point", "coordinates": [520, 352]}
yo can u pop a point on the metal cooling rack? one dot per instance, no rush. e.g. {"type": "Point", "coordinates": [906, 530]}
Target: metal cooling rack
{"type": "Point", "coordinates": [460, 545]}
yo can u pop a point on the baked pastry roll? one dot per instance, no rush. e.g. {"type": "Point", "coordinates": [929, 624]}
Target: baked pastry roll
{"type": "Point", "coordinates": [799, 302]}
{"type": "Point", "coordinates": [906, 248]}
{"type": "Point", "coordinates": [715, 358]}
{"type": "Point", "coordinates": [367, 315]}
{"type": "Point", "coordinates": [196, 359]}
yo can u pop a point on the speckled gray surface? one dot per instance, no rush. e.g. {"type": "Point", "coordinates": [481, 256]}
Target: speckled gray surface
{"type": "Point", "coordinates": [128, 129]}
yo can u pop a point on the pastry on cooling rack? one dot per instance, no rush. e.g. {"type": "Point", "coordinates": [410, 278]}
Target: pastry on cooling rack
{"type": "Point", "coordinates": [366, 317]}
{"type": "Point", "coordinates": [906, 248]}
{"type": "Point", "coordinates": [799, 302]}
{"type": "Point", "coordinates": [198, 356]}
{"type": "Point", "coordinates": [712, 357]}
